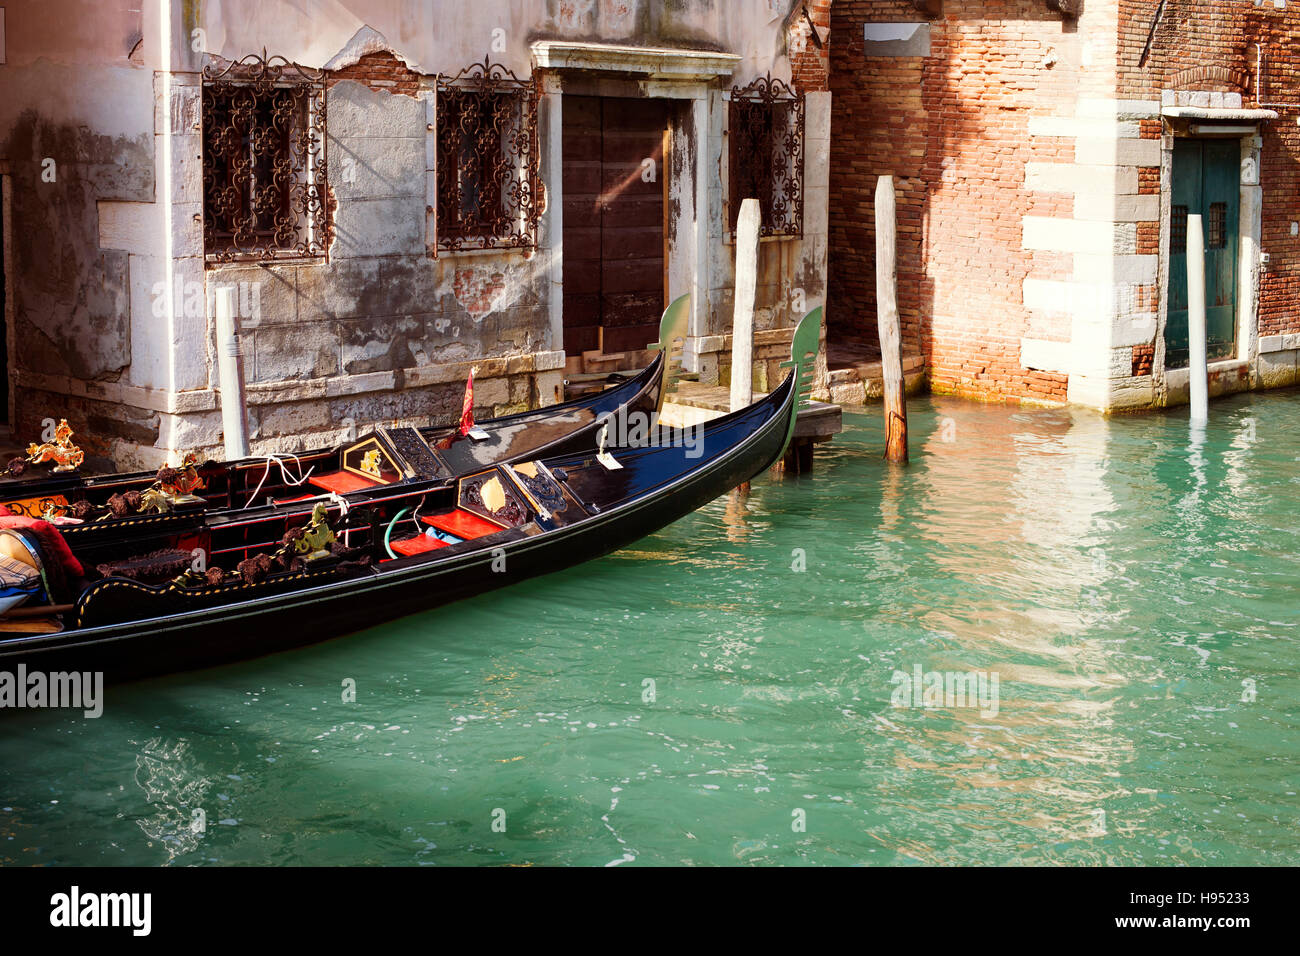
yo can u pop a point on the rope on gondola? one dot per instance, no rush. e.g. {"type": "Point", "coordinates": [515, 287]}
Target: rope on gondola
{"type": "Point", "coordinates": [279, 460]}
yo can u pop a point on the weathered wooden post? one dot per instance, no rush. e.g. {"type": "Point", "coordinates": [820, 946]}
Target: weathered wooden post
{"type": "Point", "coordinates": [891, 337]}
{"type": "Point", "coordinates": [1197, 368]}
{"type": "Point", "coordinates": [742, 323]}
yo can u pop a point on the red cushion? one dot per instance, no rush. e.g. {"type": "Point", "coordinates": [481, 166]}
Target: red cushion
{"type": "Point", "coordinates": [425, 542]}
{"type": "Point", "coordinates": [463, 524]}
{"type": "Point", "coordinates": [50, 539]}
{"type": "Point", "coordinates": [341, 482]}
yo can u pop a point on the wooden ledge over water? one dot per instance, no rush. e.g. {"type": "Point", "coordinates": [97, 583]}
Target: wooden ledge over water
{"type": "Point", "coordinates": [818, 422]}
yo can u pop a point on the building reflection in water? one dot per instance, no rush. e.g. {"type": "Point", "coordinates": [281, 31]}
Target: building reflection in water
{"type": "Point", "coordinates": [1015, 511]}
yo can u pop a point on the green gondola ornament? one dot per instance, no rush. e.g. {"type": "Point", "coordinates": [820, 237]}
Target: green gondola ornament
{"type": "Point", "coordinates": [804, 347]}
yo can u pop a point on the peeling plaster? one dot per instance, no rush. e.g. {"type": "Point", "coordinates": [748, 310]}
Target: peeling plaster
{"type": "Point", "coordinates": [480, 290]}
{"type": "Point", "coordinates": [364, 41]}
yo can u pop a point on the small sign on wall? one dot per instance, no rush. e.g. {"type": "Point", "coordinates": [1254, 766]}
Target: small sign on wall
{"type": "Point", "coordinates": [896, 39]}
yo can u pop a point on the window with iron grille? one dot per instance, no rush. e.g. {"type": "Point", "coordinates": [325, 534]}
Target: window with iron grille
{"type": "Point", "coordinates": [264, 175]}
{"type": "Point", "coordinates": [766, 126]}
{"type": "Point", "coordinates": [1178, 229]}
{"type": "Point", "coordinates": [1217, 226]}
{"type": "Point", "coordinates": [489, 190]}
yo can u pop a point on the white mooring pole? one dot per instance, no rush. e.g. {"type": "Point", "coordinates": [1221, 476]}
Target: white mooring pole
{"type": "Point", "coordinates": [742, 323]}
{"type": "Point", "coordinates": [1197, 370]}
{"type": "Point", "coordinates": [230, 368]}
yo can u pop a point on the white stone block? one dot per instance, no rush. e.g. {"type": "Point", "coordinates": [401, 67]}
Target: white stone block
{"type": "Point", "coordinates": [135, 227]}
{"type": "Point", "coordinates": [548, 361]}
{"type": "Point", "coordinates": [358, 111]}
{"type": "Point", "coordinates": [186, 167]}
{"type": "Point", "coordinates": [1117, 152]}
{"type": "Point", "coordinates": [378, 167]}
{"type": "Point", "coordinates": [187, 229]}
{"type": "Point", "coordinates": [1044, 355]}
{"type": "Point", "coordinates": [1116, 269]}
{"type": "Point", "coordinates": [1075, 126]}
{"type": "Point", "coordinates": [149, 357]}
{"type": "Point", "coordinates": [816, 211]}
{"type": "Point", "coordinates": [1277, 369]}
{"type": "Point", "coordinates": [1067, 235]}
{"type": "Point", "coordinates": [1092, 391]}
{"type": "Point", "coordinates": [1101, 207]}
{"type": "Point", "coordinates": [1121, 109]}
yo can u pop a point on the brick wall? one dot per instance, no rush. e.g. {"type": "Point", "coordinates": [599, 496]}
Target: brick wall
{"type": "Point", "coordinates": [810, 62]}
{"type": "Point", "coordinates": [380, 71]}
{"type": "Point", "coordinates": [983, 136]}
{"type": "Point", "coordinates": [1211, 45]}
{"type": "Point", "coordinates": [953, 128]}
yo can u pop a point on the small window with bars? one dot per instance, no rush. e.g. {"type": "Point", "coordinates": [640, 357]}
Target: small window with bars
{"type": "Point", "coordinates": [1178, 230]}
{"type": "Point", "coordinates": [766, 154]}
{"type": "Point", "coordinates": [489, 188]}
{"type": "Point", "coordinates": [265, 194]}
{"type": "Point", "coordinates": [1216, 226]}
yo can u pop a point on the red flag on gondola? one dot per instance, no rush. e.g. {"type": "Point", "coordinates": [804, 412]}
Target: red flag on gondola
{"type": "Point", "coordinates": [467, 409]}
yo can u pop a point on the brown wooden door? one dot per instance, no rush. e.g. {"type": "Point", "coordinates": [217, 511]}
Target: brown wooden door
{"type": "Point", "coordinates": [613, 184]}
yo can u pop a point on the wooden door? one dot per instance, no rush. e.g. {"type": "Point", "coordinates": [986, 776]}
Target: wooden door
{"type": "Point", "coordinates": [613, 184]}
{"type": "Point", "coordinates": [1205, 182]}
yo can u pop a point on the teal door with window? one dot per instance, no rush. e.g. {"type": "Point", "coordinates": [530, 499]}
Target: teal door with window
{"type": "Point", "coordinates": [1205, 183]}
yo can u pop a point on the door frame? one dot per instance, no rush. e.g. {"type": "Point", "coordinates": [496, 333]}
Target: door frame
{"type": "Point", "coordinates": [1249, 229]}
{"type": "Point", "coordinates": [663, 177]}
{"type": "Point", "coordinates": [694, 78]}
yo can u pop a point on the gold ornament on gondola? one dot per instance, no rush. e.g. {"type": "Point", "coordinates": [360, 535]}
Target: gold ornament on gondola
{"type": "Point", "coordinates": [316, 537]}
{"type": "Point", "coordinates": [370, 463]}
{"type": "Point", "coordinates": [174, 487]}
{"type": "Point", "coordinates": [61, 451]}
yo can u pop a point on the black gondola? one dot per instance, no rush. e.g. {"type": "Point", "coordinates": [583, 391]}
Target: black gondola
{"type": "Point", "coordinates": [515, 521]}
{"type": "Point", "coordinates": [401, 455]}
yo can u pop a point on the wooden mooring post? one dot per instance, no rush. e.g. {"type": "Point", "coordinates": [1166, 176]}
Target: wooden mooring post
{"type": "Point", "coordinates": [742, 321]}
{"type": "Point", "coordinates": [891, 337]}
{"type": "Point", "coordinates": [1197, 366]}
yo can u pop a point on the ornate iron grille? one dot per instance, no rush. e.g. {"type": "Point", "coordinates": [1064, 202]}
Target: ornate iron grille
{"type": "Point", "coordinates": [265, 190]}
{"type": "Point", "coordinates": [766, 120]}
{"type": "Point", "coordinates": [489, 188]}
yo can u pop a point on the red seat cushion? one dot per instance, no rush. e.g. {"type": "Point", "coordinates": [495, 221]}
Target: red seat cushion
{"type": "Point", "coordinates": [341, 482]}
{"type": "Point", "coordinates": [423, 543]}
{"type": "Point", "coordinates": [463, 524]}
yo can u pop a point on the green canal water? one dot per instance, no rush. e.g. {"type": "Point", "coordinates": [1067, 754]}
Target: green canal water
{"type": "Point", "coordinates": [724, 692]}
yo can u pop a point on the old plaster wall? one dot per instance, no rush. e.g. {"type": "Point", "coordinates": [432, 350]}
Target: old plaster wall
{"type": "Point", "coordinates": [112, 302]}
{"type": "Point", "coordinates": [76, 129]}
{"type": "Point", "coordinates": [434, 35]}
{"type": "Point", "coordinates": [384, 329]}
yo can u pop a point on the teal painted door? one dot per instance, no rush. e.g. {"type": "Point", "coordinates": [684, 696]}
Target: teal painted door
{"type": "Point", "coordinates": [1204, 182]}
